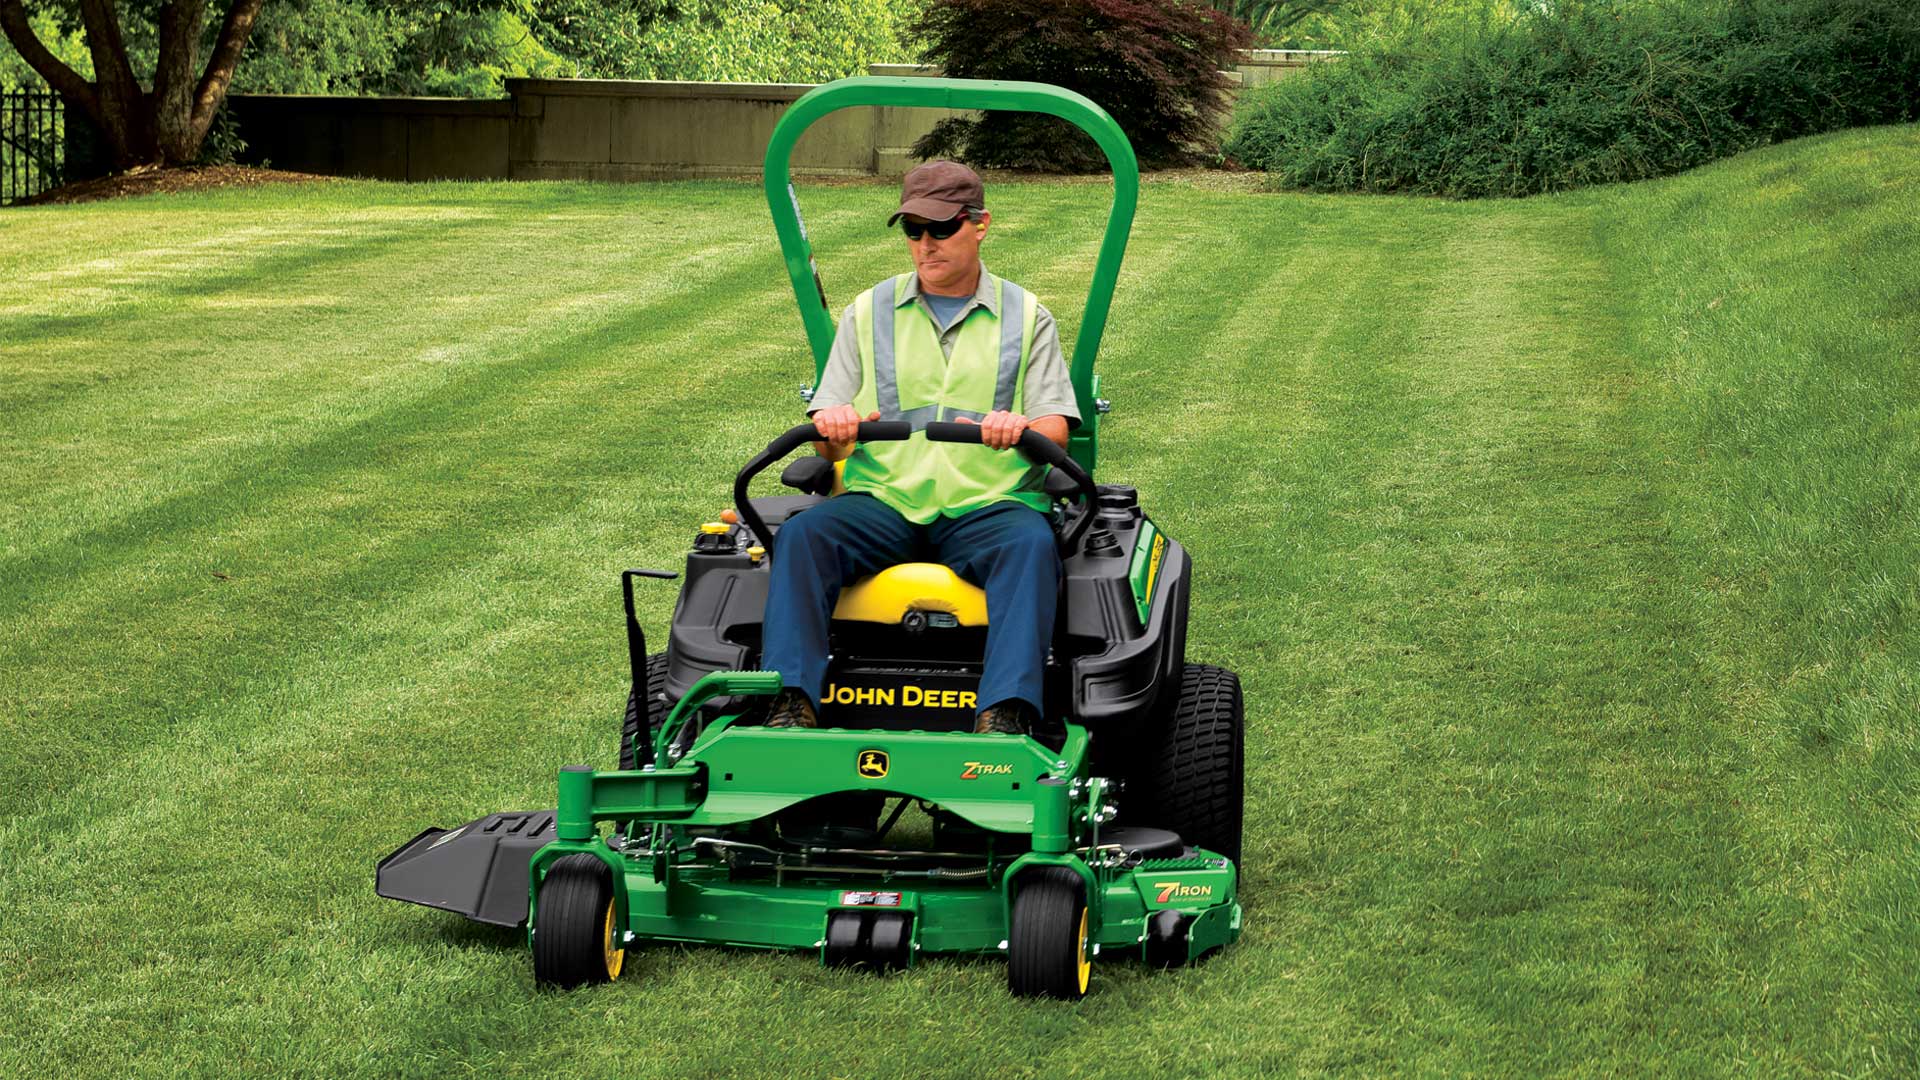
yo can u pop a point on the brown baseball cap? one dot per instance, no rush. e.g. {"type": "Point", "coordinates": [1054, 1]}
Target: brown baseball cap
{"type": "Point", "coordinates": [940, 191]}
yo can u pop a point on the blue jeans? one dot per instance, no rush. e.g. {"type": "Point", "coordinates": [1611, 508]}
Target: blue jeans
{"type": "Point", "coordinates": [1006, 549]}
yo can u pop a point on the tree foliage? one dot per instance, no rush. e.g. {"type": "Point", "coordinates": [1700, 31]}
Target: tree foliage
{"type": "Point", "coordinates": [467, 48]}
{"type": "Point", "coordinates": [1155, 65]}
{"type": "Point", "coordinates": [150, 109]}
{"type": "Point", "coordinates": [1363, 24]}
{"type": "Point", "coordinates": [1271, 20]}
{"type": "Point", "coordinates": [724, 40]}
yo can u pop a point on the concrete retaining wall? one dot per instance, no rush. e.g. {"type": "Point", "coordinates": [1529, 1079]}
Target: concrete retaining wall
{"type": "Point", "coordinates": [384, 138]}
{"type": "Point", "coordinates": [636, 130]}
{"type": "Point", "coordinates": [1258, 67]}
{"type": "Point", "coordinates": [591, 129]}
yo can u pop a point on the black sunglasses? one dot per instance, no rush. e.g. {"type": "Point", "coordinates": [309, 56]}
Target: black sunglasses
{"type": "Point", "coordinates": [939, 230]}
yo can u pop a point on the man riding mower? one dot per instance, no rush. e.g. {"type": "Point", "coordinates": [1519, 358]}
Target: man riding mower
{"type": "Point", "coordinates": [817, 684]}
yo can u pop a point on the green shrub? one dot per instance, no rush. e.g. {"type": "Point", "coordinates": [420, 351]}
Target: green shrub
{"type": "Point", "coordinates": [1153, 64]}
{"type": "Point", "coordinates": [1571, 93]}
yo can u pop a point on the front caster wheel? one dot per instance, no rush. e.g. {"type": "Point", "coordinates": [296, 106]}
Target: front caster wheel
{"type": "Point", "coordinates": [575, 941]}
{"type": "Point", "coordinates": [1047, 943]}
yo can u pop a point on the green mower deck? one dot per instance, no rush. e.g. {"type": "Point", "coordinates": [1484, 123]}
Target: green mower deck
{"type": "Point", "coordinates": [1038, 808]}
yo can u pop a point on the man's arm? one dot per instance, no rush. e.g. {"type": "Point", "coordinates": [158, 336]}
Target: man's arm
{"type": "Point", "coordinates": [1048, 397]}
{"type": "Point", "coordinates": [832, 405]}
{"type": "Point", "coordinates": [1053, 427]}
{"type": "Point", "coordinates": [1049, 386]}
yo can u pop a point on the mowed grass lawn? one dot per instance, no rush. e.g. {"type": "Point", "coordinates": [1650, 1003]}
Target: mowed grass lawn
{"type": "Point", "coordinates": [1567, 549]}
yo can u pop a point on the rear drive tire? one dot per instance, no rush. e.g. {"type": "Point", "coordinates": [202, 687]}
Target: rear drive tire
{"type": "Point", "coordinates": [576, 938]}
{"type": "Point", "coordinates": [655, 710]}
{"type": "Point", "coordinates": [1194, 782]}
{"type": "Point", "coordinates": [1047, 952]}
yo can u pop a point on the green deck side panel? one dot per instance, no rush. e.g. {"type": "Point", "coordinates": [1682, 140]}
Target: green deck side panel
{"type": "Point", "coordinates": [704, 907]}
{"type": "Point", "coordinates": [1008, 96]}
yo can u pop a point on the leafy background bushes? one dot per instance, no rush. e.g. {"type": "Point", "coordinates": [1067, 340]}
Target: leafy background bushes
{"type": "Point", "coordinates": [1155, 65]}
{"type": "Point", "coordinates": [1576, 92]}
{"type": "Point", "coordinates": [1448, 97]}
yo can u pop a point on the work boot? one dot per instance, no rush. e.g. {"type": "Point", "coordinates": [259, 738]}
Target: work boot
{"type": "Point", "coordinates": [791, 709]}
{"type": "Point", "coordinates": [1006, 718]}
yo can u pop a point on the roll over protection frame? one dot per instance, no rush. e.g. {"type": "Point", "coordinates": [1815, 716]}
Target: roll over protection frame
{"type": "Point", "coordinates": [1004, 96]}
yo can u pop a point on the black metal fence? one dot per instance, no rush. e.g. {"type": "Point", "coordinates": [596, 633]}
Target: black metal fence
{"type": "Point", "coordinates": [32, 144]}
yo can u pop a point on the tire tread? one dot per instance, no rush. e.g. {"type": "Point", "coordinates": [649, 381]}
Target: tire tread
{"type": "Point", "coordinates": [656, 709]}
{"type": "Point", "coordinates": [1195, 783]}
{"type": "Point", "coordinates": [569, 920]}
{"type": "Point", "coordinates": [1042, 942]}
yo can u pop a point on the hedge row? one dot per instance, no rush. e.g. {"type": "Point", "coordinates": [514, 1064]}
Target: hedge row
{"type": "Point", "coordinates": [1566, 94]}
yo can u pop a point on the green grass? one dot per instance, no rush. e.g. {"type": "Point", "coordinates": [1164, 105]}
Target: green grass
{"type": "Point", "coordinates": [1567, 549]}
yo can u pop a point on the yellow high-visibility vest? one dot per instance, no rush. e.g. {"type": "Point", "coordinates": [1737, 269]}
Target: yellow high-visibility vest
{"type": "Point", "coordinates": [904, 375]}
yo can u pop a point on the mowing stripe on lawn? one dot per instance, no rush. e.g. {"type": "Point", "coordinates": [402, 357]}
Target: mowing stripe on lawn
{"type": "Point", "coordinates": [1575, 708]}
{"type": "Point", "coordinates": [182, 401]}
{"type": "Point", "coordinates": [324, 489]}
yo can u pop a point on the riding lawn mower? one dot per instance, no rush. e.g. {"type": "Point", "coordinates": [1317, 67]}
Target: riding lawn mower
{"type": "Point", "coordinates": [1112, 829]}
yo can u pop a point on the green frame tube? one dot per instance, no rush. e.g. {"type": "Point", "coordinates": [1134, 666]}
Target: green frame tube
{"type": "Point", "coordinates": [931, 93]}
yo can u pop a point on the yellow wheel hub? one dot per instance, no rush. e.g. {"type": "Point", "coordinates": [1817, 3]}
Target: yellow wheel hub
{"type": "Point", "coordinates": [615, 957]}
{"type": "Point", "coordinates": [1085, 965]}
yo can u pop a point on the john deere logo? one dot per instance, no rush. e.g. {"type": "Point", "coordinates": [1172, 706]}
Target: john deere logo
{"type": "Point", "coordinates": [872, 764]}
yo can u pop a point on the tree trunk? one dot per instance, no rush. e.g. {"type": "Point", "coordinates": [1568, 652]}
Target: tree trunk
{"type": "Point", "coordinates": [173, 77]}
{"type": "Point", "coordinates": [167, 126]}
{"type": "Point", "coordinates": [212, 90]}
{"type": "Point", "coordinates": [125, 114]}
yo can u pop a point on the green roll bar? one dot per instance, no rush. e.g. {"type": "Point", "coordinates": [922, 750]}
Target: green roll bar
{"type": "Point", "coordinates": [960, 94]}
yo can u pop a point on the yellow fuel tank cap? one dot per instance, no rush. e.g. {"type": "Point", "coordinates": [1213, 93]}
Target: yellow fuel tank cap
{"type": "Point", "coordinates": [714, 527]}
{"type": "Point", "coordinates": [756, 553]}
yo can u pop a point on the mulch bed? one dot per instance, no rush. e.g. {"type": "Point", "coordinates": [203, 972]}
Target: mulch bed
{"type": "Point", "coordinates": [153, 180]}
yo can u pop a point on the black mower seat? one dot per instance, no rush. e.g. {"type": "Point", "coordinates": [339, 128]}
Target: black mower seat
{"type": "Point", "coordinates": [887, 596]}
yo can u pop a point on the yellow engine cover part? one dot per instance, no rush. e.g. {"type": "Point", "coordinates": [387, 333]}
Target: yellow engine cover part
{"type": "Point", "coordinates": [887, 596]}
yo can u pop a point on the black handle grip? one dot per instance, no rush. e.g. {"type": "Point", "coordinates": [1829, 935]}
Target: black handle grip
{"type": "Point", "coordinates": [948, 431]}
{"type": "Point", "coordinates": [883, 430]}
{"type": "Point", "coordinates": [788, 441]}
{"type": "Point", "coordinates": [1038, 448]}
{"type": "Point", "coordinates": [1041, 451]}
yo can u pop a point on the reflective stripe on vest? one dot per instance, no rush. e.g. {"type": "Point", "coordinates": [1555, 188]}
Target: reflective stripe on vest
{"type": "Point", "coordinates": [906, 376]}
{"type": "Point", "coordinates": [886, 380]}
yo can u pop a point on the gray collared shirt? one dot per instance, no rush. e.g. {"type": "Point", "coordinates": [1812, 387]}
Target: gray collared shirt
{"type": "Point", "coordinates": [1049, 388]}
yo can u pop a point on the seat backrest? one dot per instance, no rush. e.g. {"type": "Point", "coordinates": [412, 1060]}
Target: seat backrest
{"type": "Point", "coordinates": [887, 596]}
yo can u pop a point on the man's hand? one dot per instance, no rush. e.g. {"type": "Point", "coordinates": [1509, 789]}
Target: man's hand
{"type": "Point", "coordinates": [1001, 429]}
{"type": "Point", "coordinates": [839, 426]}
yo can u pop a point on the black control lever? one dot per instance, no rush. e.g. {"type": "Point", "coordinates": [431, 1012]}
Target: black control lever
{"type": "Point", "coordinates": [792, 439]}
